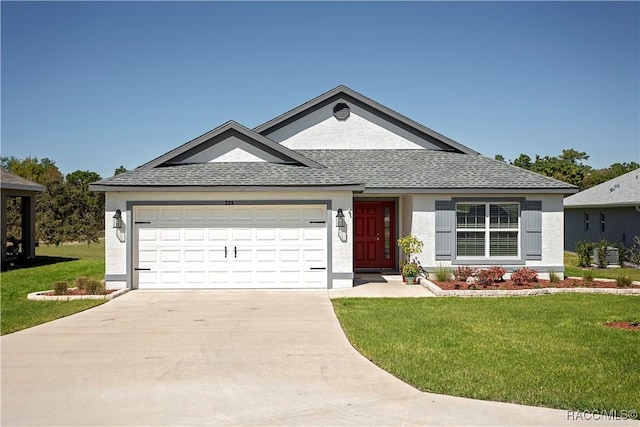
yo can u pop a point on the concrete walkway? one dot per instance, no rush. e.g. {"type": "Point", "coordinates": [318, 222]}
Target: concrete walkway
{"type": "Point", "coordinates": [381, 286]}
{"type": "Point", "coordinates": [176, 358]}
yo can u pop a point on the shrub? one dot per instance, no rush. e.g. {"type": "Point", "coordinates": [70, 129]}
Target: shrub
{"type": "Point", "coordinates": [587, 276]}
{"type": "Point", "coordinates": [623, 281]}
{"type": "Point", "coordinates": [463, 272]}
{"type": "Point", "coordinates": [95, 287]}
{"type": "Point", "coordinates": [443, 274]}
{"type": "Point", "coordinates": [524, 276]}
{"type": "Point", "coordinates": [60, 287]}
{"type": "Point", "coordinates": [496, 273]}
{"type": "Point", "coordinates": [602, 253]}
{"type": "Point", "coordinates": [584, 251]}
{"type": "Point", "coordinates": [633, 252]}
{"type": "Point", "coordinates": [490, 275]}
{"type": "Point", "coordinates": [81, 283]}
{"type": "Point", "coordinates": [553, 276]}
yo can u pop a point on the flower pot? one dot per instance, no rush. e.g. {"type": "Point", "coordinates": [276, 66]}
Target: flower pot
{"type": "Point", "coordinates": [411, 280]}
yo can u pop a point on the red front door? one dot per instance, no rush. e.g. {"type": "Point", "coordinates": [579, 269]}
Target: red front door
{"type": "Point", "coordinates": [374, 241]}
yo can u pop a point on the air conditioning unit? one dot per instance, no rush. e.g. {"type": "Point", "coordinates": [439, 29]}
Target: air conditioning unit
{"type": "Point", "coordinates": [613, 256]}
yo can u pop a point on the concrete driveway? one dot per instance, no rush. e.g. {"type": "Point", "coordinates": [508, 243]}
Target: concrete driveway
{"type": "Point", "coordinates": [219, 358]}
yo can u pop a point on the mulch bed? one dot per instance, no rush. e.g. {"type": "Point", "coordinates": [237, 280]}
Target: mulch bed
{"type": "Point", "coordinates": [509, 285]}
{"type": "Point", "coordinates": [624, 325]}
{"type": "Point", "coordinates": [75, 292]}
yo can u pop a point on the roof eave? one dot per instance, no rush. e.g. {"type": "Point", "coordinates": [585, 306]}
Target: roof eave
{"type": "Point", "coordinates": [224, 188]}
{"type": "Point", "coordinates": [396, 190]}
{"type": "Point", "coordinates": [603, 205]}
{"type": "Point", "coordinates": [23, 187]}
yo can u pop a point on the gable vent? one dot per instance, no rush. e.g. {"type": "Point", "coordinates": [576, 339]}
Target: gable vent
{"type": "Point", "coordinates": [341, 111]}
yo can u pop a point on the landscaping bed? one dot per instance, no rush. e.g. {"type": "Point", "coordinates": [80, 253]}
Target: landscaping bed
{"type": "Point", "coordinates": [510, 285]}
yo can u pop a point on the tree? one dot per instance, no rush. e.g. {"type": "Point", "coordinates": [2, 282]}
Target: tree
{"type": "Point", "coordinates": [500, 157]}
{"type": "Point", "coordinates": [570, 167]}
{"type": "Point", "coordinates": [65, 211]}
{"type": "Point", "coordinates": [86, 210]}
{"type": "Point", "coordinates": [120, 169]}
{"type": "Point", "coordinates": [523, 161]}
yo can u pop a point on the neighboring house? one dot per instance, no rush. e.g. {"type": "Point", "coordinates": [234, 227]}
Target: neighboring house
{"type": "Point", "coordinates": [318, 193]}
{"type": "Point", "coordinates": [609, 211]}
{"type": "Point", "coordinates": [15, 186]}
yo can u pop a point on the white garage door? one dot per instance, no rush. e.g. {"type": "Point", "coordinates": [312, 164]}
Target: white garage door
{"type": "Point", "coordinates": [200, 247]}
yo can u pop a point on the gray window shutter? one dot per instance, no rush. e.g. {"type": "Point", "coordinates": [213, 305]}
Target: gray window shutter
{"type": "Point", "coordinates": [445, 229]}
{"type": "Point", "coordinates": [532, 227]}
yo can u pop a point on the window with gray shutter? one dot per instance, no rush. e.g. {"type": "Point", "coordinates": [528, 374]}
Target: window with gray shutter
{"type": "Point", "coordinates": [532, 226]}
{"type": "Point", "coordinates": [445, 229]}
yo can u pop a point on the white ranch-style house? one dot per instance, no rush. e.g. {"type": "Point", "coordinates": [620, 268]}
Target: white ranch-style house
{"type": "Point", "coordinates": [317, 194]}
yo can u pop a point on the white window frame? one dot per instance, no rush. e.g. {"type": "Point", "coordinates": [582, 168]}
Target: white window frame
{"type": "Point", "coordinates": [487, 231]}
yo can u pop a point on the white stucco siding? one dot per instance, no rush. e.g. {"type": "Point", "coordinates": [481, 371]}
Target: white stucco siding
{"type": "Point", "coordinates": [423, 226]}
{"type": "Point", "coordinates": [353, 133]}
{"type": "Point", "coordinates": [341, 241]}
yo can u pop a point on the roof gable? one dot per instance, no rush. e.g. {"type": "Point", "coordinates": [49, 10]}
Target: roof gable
{"type": "Point", "coordinates": [623, 190]}
{"type": "Point", "coordinates": [230, 142]}
{"type": "Point", "coordinates": [385, 126]}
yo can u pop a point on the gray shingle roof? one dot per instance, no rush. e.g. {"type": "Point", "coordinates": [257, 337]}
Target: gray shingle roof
{"type": "Point", "coordinates": [430, 169]}
{"type": "Point", "coordinates": [14, 182]}
{"type": "Point", "coordinates": [377, 169]}
{"type": "Point", "coordinates": [229, 175]}
{"type": "Point", "coordinates": [621, 191]}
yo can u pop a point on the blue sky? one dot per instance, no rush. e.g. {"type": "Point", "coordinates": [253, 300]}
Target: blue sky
{"type": "Point", "coordinates": [94, 86]}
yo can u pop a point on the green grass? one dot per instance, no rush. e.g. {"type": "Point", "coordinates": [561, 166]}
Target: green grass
{"type": "Point", "coordinates": [571, 269]}
{"type": "Point", "coordinates": [550, 351]}
{"type": "Point", "coordinates": [52, 264]}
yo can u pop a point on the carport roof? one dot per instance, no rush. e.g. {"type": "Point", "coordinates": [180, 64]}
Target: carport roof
{"type": "Point", "coordinates": [9, 181]}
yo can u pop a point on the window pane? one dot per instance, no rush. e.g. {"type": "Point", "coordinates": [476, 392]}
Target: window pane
{"type": "Point", "coordinates": [470, 215]}
{"type": "Point", "coordinates": [387, 232]}
{"type": "Point", "coordinates": [504, 216]}
{"type": "Point", "coordinates": [503, 243]}
{"type": "Point", "coordinates": [470, 243]}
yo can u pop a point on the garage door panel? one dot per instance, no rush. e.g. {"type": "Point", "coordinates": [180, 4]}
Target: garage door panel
{"type": "Point", "coordinates": [170, 235]}
{"type": "Point", "coordinates": [171, 214]}
{"type": "Point", "coordinates": [241, 234]}
{"type": "Point", "coordinates": [170, 256]}
{"type": "Point", "coordinates": [194, 256]}
{"type": "Point", "coordinates": [290, 234]}
{"type": "Point", "coordinates": [147, 235]}
{"type": "Point", "coordinates": [266, 247]}
{"type": "Point", "coordinates": [195, 214]}
{"type": "Point", "coordinates": [317, 234]}
{"type": "Point", "coordinates": [218, 235]}
{"type": "Point", "coordinates": [194, 235]}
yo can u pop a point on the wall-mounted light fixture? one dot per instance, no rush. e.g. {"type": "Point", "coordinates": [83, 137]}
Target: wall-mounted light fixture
{"type": "Point", "coordinates": [117, 219]}
{"type": "Point", "coordinates": [340, 219]}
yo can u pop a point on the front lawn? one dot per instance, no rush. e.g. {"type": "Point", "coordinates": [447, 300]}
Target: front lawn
{"type": "Point", "coordinates": [548, 351]}
{"type": "Point", "coordinates": [571, 269]}
{"type": "Point", "coordinates": [52, 263]}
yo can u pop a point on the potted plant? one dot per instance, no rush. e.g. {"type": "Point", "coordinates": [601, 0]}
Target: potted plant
{"type": "Point", "coordinates": [410, 270]}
